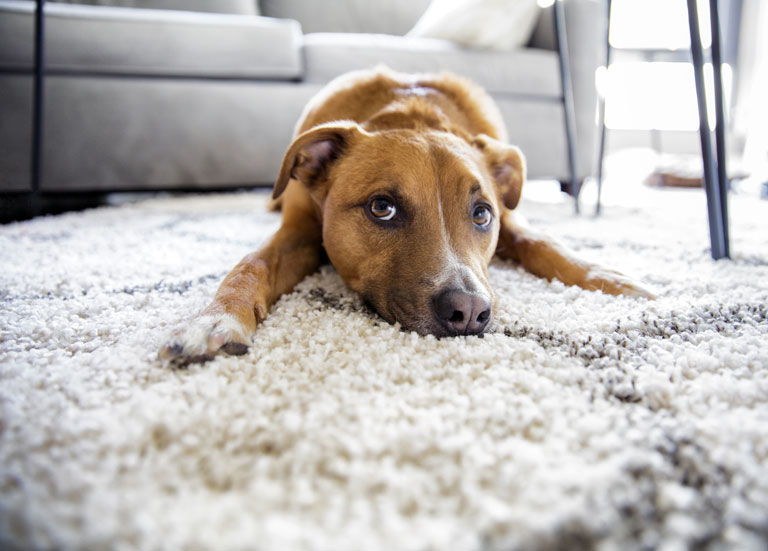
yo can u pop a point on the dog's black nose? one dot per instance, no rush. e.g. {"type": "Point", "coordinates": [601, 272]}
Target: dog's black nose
{"type": "Point", "coordinates": [462, 313]}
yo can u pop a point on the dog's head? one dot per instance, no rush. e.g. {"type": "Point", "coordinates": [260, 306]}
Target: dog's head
{"type": "Point", "coordinates": [410, 219]}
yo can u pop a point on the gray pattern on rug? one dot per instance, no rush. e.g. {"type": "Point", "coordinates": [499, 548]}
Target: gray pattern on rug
{"type": "Point", "coordinates": [580, 421]}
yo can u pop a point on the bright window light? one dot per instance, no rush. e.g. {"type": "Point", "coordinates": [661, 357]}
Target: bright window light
{"type": "Point", "coordinates": [648, 94]}
{"type": "Point", "coordinates": [657, 96]}
{"type": "Point", "coordinates": [656, 24]}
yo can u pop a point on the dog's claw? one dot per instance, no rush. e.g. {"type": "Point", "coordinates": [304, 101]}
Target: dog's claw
{"type": "Point", "coordinates": [169, 351]}
{"type": "Point", "coordinates": [235, 348]}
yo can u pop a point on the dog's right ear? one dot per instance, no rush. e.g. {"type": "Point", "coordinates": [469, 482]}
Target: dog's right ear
{"type": "Point", "coordinates": [507, 166]}
{"type": "Point", "coordinates": [312, 154]}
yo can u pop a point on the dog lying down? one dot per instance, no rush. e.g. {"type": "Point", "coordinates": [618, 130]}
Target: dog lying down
{"type": "Point", "coordinates": [407, 185]}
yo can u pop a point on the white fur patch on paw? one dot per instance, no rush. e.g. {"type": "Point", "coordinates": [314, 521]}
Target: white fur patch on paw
{"type": "Point", "coordinates": [615, 283]}
{"type": "Point", "coordinates": [202, 337]}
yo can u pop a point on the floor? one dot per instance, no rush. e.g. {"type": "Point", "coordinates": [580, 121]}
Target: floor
{"type": "Point", "coordinates": [626, 175]}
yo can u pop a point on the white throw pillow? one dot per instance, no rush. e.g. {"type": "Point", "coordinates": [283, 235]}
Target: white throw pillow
{"type": "Point", "coordinates": [487, 24]}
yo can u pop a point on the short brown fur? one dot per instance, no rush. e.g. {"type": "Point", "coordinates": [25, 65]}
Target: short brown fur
{"type": "Point", "coordinates": [432, 147]}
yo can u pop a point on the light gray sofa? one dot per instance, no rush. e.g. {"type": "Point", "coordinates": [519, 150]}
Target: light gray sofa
{"type": "Point", "coordinates": [139, 98]}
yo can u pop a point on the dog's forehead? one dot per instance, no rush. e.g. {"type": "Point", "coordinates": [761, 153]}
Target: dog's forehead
{"type": "Point", "coordinates": [459, 163]}
{"type": "Point", "coordinates": [420, 159]}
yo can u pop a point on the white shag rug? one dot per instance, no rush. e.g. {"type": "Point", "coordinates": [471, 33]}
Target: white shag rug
{"type": "Point", "coordinates": [585, 421]}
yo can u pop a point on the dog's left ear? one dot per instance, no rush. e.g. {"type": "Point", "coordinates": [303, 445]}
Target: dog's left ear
{"type": "Point", "coordinates": [507, 166]}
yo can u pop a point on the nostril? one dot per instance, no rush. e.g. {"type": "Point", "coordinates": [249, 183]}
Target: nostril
{"type": "Point", "coordinates": [457, 317]}
{"type": "Point", "coordinates": [483, 316]}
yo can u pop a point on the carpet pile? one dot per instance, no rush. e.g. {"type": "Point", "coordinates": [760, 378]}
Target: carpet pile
{"type": "Point", "coordinates": [583, 421]}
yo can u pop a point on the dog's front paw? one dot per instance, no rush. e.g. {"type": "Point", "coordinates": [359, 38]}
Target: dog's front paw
{"type": "Point", "coordinates": [204, 336]}
{"type": "Point", "coordinates": [615, 283]}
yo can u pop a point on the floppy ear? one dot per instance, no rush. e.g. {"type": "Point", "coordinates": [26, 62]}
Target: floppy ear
{"type": "Point", "coordinates": [311, 155]}
{"type": "Point", "coordinates": [507, 165]}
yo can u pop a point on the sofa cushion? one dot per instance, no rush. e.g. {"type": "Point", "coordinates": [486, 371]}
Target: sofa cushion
{"type": "Point", "coordinates": [237, 7]}
{"type": "Point", "coordinates": [96, 39]}
{"type": "Point", "coordinates": [348, 16]}
{"type": "Point", "coordinates": [525, 71]}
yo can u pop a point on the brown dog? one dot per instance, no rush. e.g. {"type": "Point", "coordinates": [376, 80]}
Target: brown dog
{"type": "Point", "coordinates": [408, 186]}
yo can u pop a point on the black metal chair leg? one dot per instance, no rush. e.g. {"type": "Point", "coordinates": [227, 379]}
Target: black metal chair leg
{"type": "Point", "coordinates": [37, 100]}
{"type": "Point", "coordinates": [722, 173]}
{"type": "Point", "coordinates": [714, 208]}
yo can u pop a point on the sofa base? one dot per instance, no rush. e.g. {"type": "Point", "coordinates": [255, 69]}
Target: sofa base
{"type": "Point", "coordinates": [112, 133]}
{"type": "Point", "coordinates": [109, 133]}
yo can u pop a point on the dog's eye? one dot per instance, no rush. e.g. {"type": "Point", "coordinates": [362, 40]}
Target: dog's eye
{"type": "Point", "coordinates": [482, 216]}
{"type": "Point", "coordinates": [382, 209]}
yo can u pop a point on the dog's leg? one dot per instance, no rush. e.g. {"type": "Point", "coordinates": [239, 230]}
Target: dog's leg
{"type": "Point", "coordinates": [247, 292]}
{"type": "Point", "coordinates": [545, 257]}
